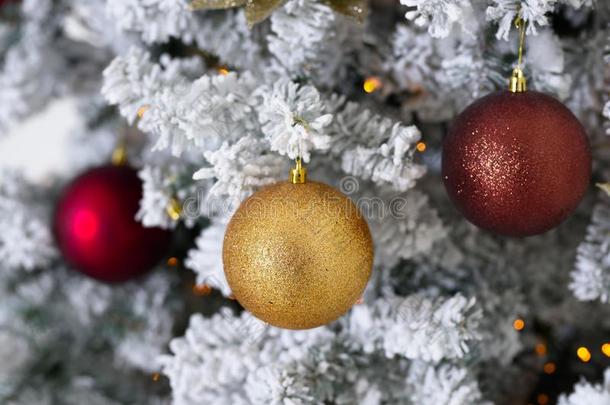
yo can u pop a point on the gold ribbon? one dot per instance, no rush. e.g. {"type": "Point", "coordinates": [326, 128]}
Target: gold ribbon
{"type": "Point", "coordinates": [259, 10]}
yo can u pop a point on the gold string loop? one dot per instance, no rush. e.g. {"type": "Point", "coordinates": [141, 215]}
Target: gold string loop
{"type": "Point", "coordinates": [518, 81]}
{"type": "Point", "coordinates": [521, 24]}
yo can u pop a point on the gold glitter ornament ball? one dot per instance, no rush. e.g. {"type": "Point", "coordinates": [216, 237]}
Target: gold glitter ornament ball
{"type": "Point", "coordinates": [298, 256]}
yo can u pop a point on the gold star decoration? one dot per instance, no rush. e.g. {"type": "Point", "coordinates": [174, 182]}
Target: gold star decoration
{"type": "Point", "coordinates": [259, 10]}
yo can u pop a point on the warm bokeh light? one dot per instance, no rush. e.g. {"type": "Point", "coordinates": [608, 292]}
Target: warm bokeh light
{"type": "Point", "coordinates": [549, 368]}
{"type": "Point", "coordinates": [540, 349]}
{"type": "Point", "coordinates": [142, 110]}
{"type": "Point", "coordinates": [421, 147]}
{"type": "Point", "coordinates": [202, 290]}
{"type": "Point", "coordinates": [606, 349]}
{"type": "Point", "coordinates": [583, 354]}
{"type": "Point", "coordinates": [519, 324]}
{"type": "Point", "coordinates": [371, 84]}
{"type": "Point", "coordinates": [223, 71]}
{"type": "Point", "coordinates": [542, 399]}
{"type": "Point", "coordinates": [172, 261]}
{"type": "Point", "coordinates": [156, 377]}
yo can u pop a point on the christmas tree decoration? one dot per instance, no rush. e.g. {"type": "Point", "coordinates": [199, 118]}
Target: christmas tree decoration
{"type": "Point", "coordinates": [259, 10]}
{"type": "Point", "coordinates": [516, 162]}
{"type": "Point", "coordinates": [297, 254]}
{"type": "Point", "coordinates": [451, 314]}
{"type": "Point", "coordinates": [96, 230]}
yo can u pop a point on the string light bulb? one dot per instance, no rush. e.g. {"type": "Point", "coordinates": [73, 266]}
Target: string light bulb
{"type": "Point", "coordinates": [371, 84]}
{"type": "Point", "coordinates": [540, 349]}
{"type": "Point", "coordinates": [519, 324]}
{"type": "Point", "coordinates": [583, 354]}
{"type": "Point", "coordinates": [542, 399]}
{"type": "Point", "coordinates": [142, 110]}
{"type": "Point", "coordinates": [606, 349]}
{"type": "Point", "coordinates": [201, 290]}
{"type": "Point", "coordinates": [549, 368]}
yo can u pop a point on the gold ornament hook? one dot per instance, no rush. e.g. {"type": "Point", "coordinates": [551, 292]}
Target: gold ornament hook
{"type": "Point", "coordinates": [518, 81]}
{"type": "Point", "coordinates": [298, 175]}
{"type": "Point", "coordinates": [119, 154]}
{"type": "Point", "coordinates": [174, 209]}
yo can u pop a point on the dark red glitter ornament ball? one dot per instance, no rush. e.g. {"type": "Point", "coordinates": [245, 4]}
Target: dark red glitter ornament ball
{"type": "Point", "coordinates": [516, 164]}
{"type": "Point", "coordinates": [96, 230]}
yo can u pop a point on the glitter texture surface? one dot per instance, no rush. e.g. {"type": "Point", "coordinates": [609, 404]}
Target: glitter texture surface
{"type": "Point", "coordinates": [516, 164]}
{"type": "Point", "coordinates": [298, 256]}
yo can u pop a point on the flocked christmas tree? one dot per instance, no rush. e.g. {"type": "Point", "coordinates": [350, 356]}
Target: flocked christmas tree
{"type": "Point", "coordinates": [212, 102]}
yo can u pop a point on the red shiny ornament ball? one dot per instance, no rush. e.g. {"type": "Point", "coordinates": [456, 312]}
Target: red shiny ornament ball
{"type": "Point", "coordinates": [96, 230]}
{"type": "Point", "coordinates": [516, 164]}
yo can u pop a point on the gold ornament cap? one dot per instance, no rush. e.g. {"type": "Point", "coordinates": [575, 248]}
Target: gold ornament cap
{"type": "Point", "coordinates": [298, 175]}
{"type": "Point", "coordinates": [518, 81]}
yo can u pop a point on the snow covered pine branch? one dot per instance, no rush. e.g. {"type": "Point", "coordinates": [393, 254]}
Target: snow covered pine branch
{"type": "Point", "coordinates": [211, 112]}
